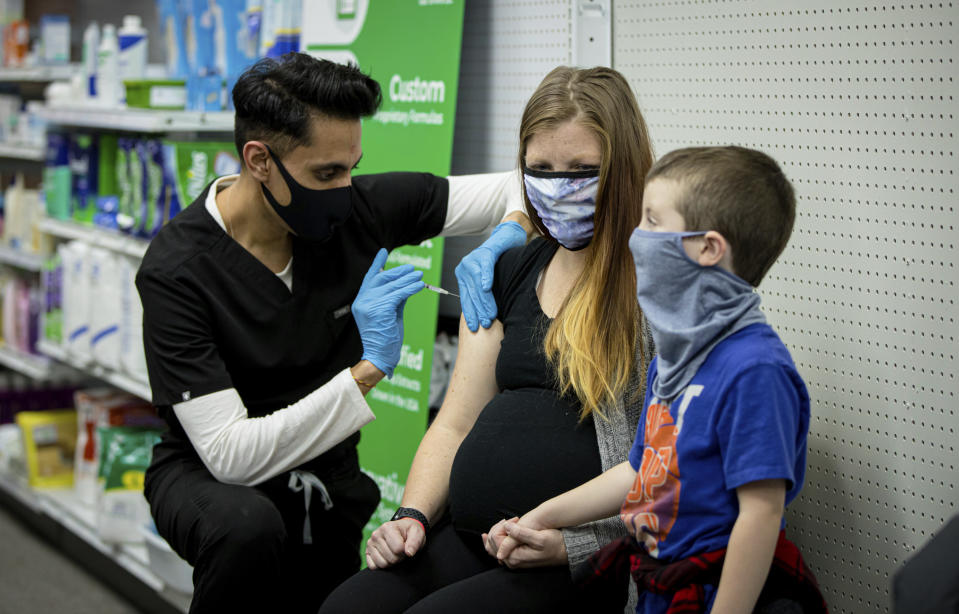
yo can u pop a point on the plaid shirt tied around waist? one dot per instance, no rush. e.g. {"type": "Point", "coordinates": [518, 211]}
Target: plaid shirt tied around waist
{"type": "Point", "coordinates": [789, 577]}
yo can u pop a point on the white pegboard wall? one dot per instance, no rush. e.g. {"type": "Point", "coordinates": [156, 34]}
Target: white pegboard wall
{"type": "Point", "coordinates": [508, 47]}
{"type": "Point", "coordinates": [856, 100]}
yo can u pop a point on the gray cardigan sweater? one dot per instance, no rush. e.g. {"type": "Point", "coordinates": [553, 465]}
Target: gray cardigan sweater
{"type": "Point", "coordinates": [614, 436]}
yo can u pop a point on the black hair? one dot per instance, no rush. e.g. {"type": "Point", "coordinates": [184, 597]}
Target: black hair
{"type": "Point", "coordinates": [275, 99]}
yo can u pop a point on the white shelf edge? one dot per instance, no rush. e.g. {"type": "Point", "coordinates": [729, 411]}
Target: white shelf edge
{"type": "Point", "coordinates": [20, 491]}
{"type": "Point", "coordinates": [19, 151]}
{"type": "Point", "coordinates": [51, 349]}
{"type": "Point", "coordinates": [120, 380]}
{"type": "Point", "coordinates": [99, 237]}
{"type": "Point", "coordinates": [20, 259]}
{"type": "Point", "coordinates": [138, 120]}
{"type": "Point", "coordinates": [67, 510]}
{"type": "Point", "coordinates": [39, 73]}
{"type": "Point", "coordinates": [36, 367]}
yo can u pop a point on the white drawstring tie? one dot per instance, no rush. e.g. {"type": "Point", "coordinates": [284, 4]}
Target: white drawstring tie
{"type": "Point", "coordinates": [306, 481]}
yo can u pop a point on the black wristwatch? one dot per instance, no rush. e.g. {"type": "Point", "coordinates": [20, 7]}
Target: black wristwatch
{"type": "Point", "coordinates": [415, 514]}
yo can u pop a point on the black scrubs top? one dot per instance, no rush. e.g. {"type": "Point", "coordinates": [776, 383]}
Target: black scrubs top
{"type": "Point", "coordinates": [215, 317]}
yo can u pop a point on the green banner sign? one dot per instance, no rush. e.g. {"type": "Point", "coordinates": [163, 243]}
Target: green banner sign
{"type": "Point", "coordinates": [412, 48]}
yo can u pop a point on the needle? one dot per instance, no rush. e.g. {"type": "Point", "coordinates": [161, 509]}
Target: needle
{"type": "Point", "coordinates": [439, 290]}
{"type": "Point", "coordinates": [435, 289]}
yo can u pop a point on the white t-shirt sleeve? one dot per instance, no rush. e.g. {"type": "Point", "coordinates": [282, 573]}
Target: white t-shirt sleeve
{"type": "Point", "coordinates": [238, 449]}
{"type": "Point", "coordinates": [477, 203]}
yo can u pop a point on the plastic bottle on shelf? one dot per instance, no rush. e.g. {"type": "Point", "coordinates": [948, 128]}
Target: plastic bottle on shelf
{"type": "Point", "coordinates": [133, 48]}
{"type": "Point", "coordinates": [109, 91]}
{"type": "Point", "coordinates": [91, 47]}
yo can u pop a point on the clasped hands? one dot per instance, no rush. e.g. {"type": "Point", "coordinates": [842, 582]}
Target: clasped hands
{"type": "Point", "coordinates": [517, 543]}
{"type": "Point", "coordinates": [522, 542]}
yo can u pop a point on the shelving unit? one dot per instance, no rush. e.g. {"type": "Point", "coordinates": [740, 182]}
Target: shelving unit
{"type": "Point", "coordinates": [36, 367]}
{"type": "Point", "coordinates": [22, 151]}
{"type": "Point", "coordinates": [100, 237]}
{"type": "Point", "coordinates": [39, 74]}
{"type": "Point", "coordinates": [118, 379]}
{"type": "Point", "coordinates": [138, 120]}
{"type": "Point", "coordinates": [59, 514]}
{"type": "Point", "coordinates": [27, 261]}
{"type": "Point", "coordinates": [66, 510]}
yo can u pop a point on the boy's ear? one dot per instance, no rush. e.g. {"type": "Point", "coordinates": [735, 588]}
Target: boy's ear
{"type": "Point", "coordinates": [714, 250]}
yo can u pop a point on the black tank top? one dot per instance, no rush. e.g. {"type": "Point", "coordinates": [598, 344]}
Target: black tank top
{"type": "Point", "coordinates": [528, 444]}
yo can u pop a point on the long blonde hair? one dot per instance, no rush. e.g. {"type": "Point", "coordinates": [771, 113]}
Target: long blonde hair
{"type": "Point", "coordinates": [592, 341]}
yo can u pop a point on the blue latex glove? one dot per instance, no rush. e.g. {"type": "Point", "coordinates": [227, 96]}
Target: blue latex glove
{"type": "Point", "coordinates": [474, 274]}
{"type": "Point", "coordinates": [378, 310]}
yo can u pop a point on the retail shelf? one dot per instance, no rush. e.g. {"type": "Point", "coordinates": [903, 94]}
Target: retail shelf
{"type": "Point", "coordinates": [22, 151]}
{"type": "Point", "coordinates": [138, 120]}
{"type": "Point", "coordinates": [39, 73]}
{"type": "Point", "coordinates": [52, 350]}
{"type": "Point", "coordinates": [100, 237]}
{"type": "Point", "coordinates": [19, 490]}
{"type": "Point", "coordinates": [70, 512]}
{"type": "Point", "coordinates": [28, 261]}
{"type": "Point", "coordinates": [36, 367]}
{"type": "Point", "coordinates": [120, 380]}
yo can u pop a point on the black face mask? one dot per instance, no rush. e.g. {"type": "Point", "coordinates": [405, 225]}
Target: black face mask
{"type": "Point", "coordinates": [312, 214]}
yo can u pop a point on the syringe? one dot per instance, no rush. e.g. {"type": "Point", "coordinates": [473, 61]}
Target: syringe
{"type": "Point", "coordinates": [439, 290]}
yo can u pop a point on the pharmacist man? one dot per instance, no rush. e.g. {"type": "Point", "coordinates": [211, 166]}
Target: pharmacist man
{"type": "Point", "coordinates": [267, 318]}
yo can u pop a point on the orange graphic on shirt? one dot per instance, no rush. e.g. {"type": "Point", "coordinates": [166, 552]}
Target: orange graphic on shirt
{"type": "Point", "coordinates": [651, 506]}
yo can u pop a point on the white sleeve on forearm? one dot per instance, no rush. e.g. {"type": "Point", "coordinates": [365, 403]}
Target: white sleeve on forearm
{"type": "Point", "coordinates": [477, 203]}
{"type": "Point", "coordinates": [246, 451]}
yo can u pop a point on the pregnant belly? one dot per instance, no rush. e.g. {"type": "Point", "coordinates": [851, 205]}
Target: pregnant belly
{"type": "Point", "coordinates": [527, 445]}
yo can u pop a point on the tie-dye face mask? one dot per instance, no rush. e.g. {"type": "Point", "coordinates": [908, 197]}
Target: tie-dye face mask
{"type": "Point", "coordinates": [565, 202]}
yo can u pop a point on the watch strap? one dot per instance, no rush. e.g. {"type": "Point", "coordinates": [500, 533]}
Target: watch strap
{"type": "Point", "coordinates": [415, 514]}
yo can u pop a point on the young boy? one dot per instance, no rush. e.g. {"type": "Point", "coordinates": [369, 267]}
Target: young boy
{"type": "Point", "coordinates": [721, 446]}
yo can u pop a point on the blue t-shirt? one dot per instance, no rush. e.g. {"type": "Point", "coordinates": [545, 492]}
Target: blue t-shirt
{"type": "Point", "coordinates": [742, 418]}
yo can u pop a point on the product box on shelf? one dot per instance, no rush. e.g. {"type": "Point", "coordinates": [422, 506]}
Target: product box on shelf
{"type": "Point", "coordinates": [104, 282]}
{"type": "Point", "coordinates": [106, 212]}
{"type": "Point", "coordinates": [173, 34]}
{"type": "Point", "coordinates": [13, 459]}
{"type": "Point", "coordinates": [102, 407]}
{"type": "Point", "coordinates": [128, 175]}
{"type": "Point", "coordinates": [49, 440]}
{"type": "Point", "coordinates": [55, 39]}
{"type": "Point", "coordinates": [21, 314]}
{"type": "Point", "coordinates": [192, 166]}
{"type": "Point", "coordinates": [51, 284]}
{"type": "Point", "coordinates": [151, 207]}
{"type": "Point", "coordinates": [57, 179]}
{"type": "Point", "coordinates": [132, 357]}
{"type": "Point", "coordinates": [83, 173]}
{"type": "Point", "coordinates": [16, 42]}
{"type": "Point", "coordinates": [9, 113]}
{"type": "Point", "coordinates": [76, 299]}
{"type": "Point", "coordinates": [165, 94]}
{"type": "Point", "coordinates": [93, 168]}
{"type": "Point", "coordinates": [22, 208]}
{"type": "Point", "coordinates": [125, 454]}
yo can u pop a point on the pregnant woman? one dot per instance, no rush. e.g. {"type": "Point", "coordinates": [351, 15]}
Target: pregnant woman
{"type": "Point", "coordinates": [546, 398]}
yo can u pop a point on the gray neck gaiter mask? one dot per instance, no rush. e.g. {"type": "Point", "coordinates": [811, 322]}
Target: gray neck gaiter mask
{"type": "Point", "coordinates": [690, 308]}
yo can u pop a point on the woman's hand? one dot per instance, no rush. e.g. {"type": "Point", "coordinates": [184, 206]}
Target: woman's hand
{"type": "Point", "coordinates": [393, 542]}
{"type": "Point", "coordinates": [519, 544]}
